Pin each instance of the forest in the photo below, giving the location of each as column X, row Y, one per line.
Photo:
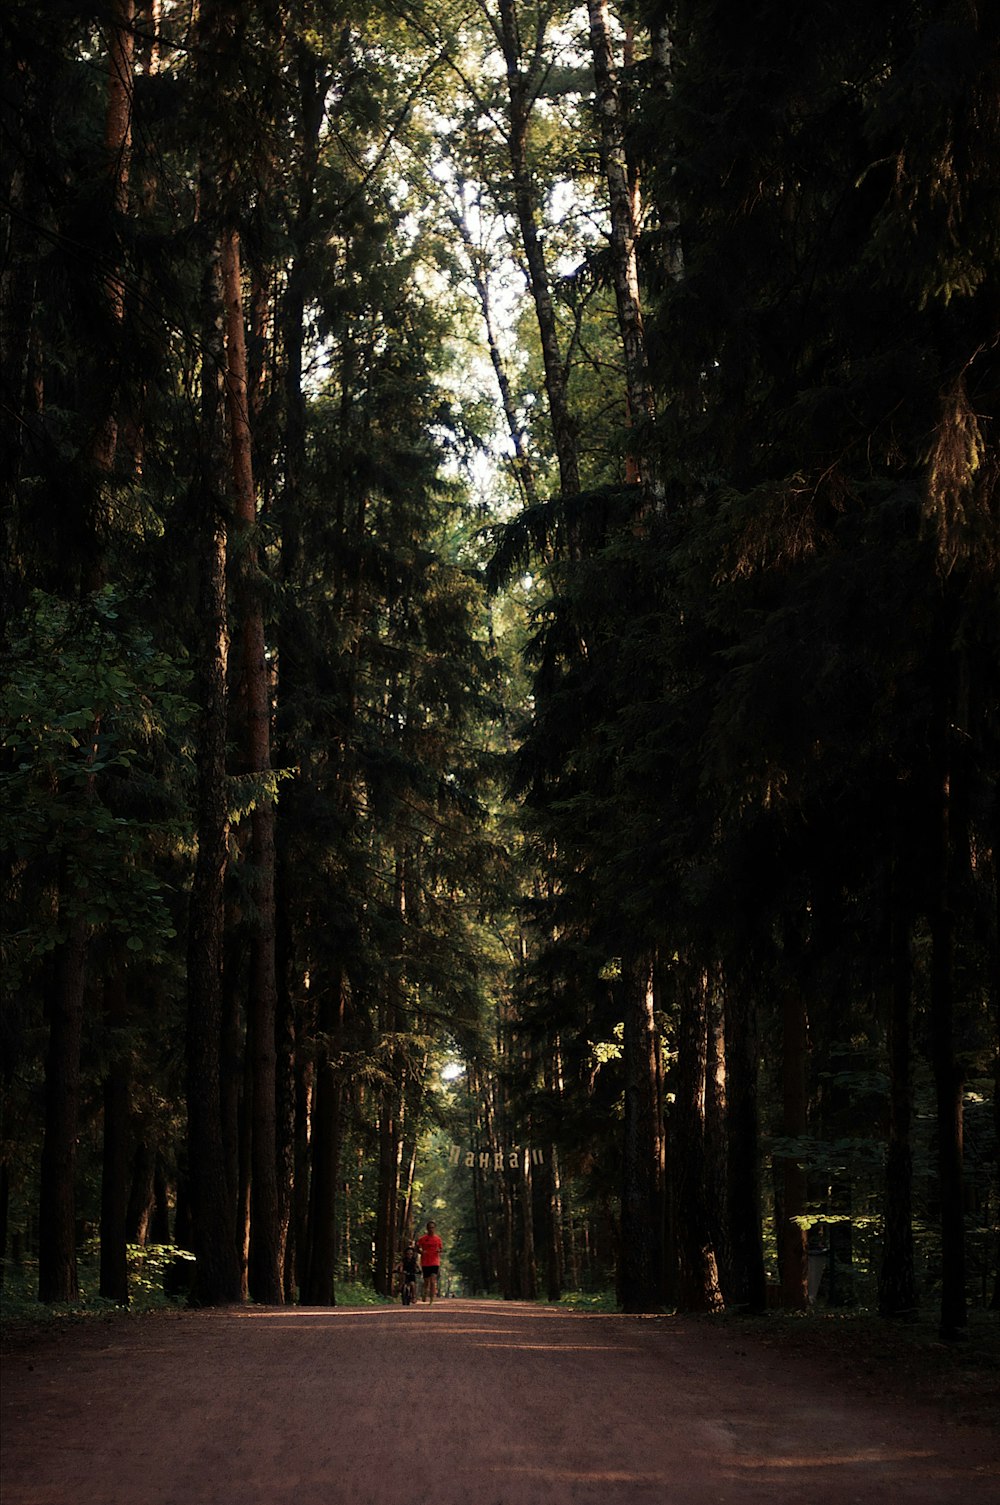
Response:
column 501, row 649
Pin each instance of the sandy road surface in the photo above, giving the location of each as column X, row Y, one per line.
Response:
column 470, row 1403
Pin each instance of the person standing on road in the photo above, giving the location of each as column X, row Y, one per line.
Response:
column 430, row 1247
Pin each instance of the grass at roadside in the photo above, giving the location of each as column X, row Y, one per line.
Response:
column 157, row 1282
column 154, row 1275
column 590, row 1301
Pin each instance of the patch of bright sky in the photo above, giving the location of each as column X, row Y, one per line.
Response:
column 469, row 374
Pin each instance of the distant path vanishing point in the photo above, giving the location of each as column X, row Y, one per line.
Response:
column 468, row 1403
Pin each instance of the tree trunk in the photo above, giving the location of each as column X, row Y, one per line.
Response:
column 793, row 1257
column 57, row 1272
column 140, row 1197
column 715, row 1129
column 295, row 1082
column 57, row 1251
column 387, row 1193
column 529, row 1268
column 745, row 1245
column 304, row 1082
column 948, row 1079
column 697, row 1272
column 265, row 1232
column 244, row 1136
column 158, row 1231
column 4, row 1215
column 18, row 285
column 641, row 1270
column 289, row 984
column 114, row 1162
column 325, row 1152
column 995, row 1010
column 117, row 144
column 212, row 1173
column 551, row 1188
column 897, row 1293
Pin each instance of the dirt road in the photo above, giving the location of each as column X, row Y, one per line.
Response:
column 468, row 1403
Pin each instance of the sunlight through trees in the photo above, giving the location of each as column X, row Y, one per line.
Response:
column 500, row 690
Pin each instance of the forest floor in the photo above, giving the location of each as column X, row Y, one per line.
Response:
column 492, row 1403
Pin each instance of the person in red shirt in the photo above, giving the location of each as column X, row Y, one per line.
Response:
column 430, row 1247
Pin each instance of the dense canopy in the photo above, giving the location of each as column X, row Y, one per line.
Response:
column 502, row 648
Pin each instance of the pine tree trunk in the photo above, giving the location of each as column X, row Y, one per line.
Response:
column 321, row 1271
column 485, row 1242
column 897, row 1294
column 304, row 1083
column 18, row 281
column 265, row 1273
column 715, row 1131
column 551, row 1188
column 745, row 1245
column 295, row 1080
column 4, row 1215
column 212, row 1172
column 994, row 1003
column 57, row 1272
column 117, row 143
column 641, row 1270
column 387, row 1193
column 947, row 1071
column 140, row 1197
column 411, row 1125
column 114, row 1161
column 57, row 1251
column 325, row 1152
column 158, row 1231
column 697, row 1271
column 529, row 1267
column 289, row 984
column 244, row 1133
column 793, row 1257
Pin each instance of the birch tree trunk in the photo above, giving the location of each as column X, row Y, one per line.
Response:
column 479, row 273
